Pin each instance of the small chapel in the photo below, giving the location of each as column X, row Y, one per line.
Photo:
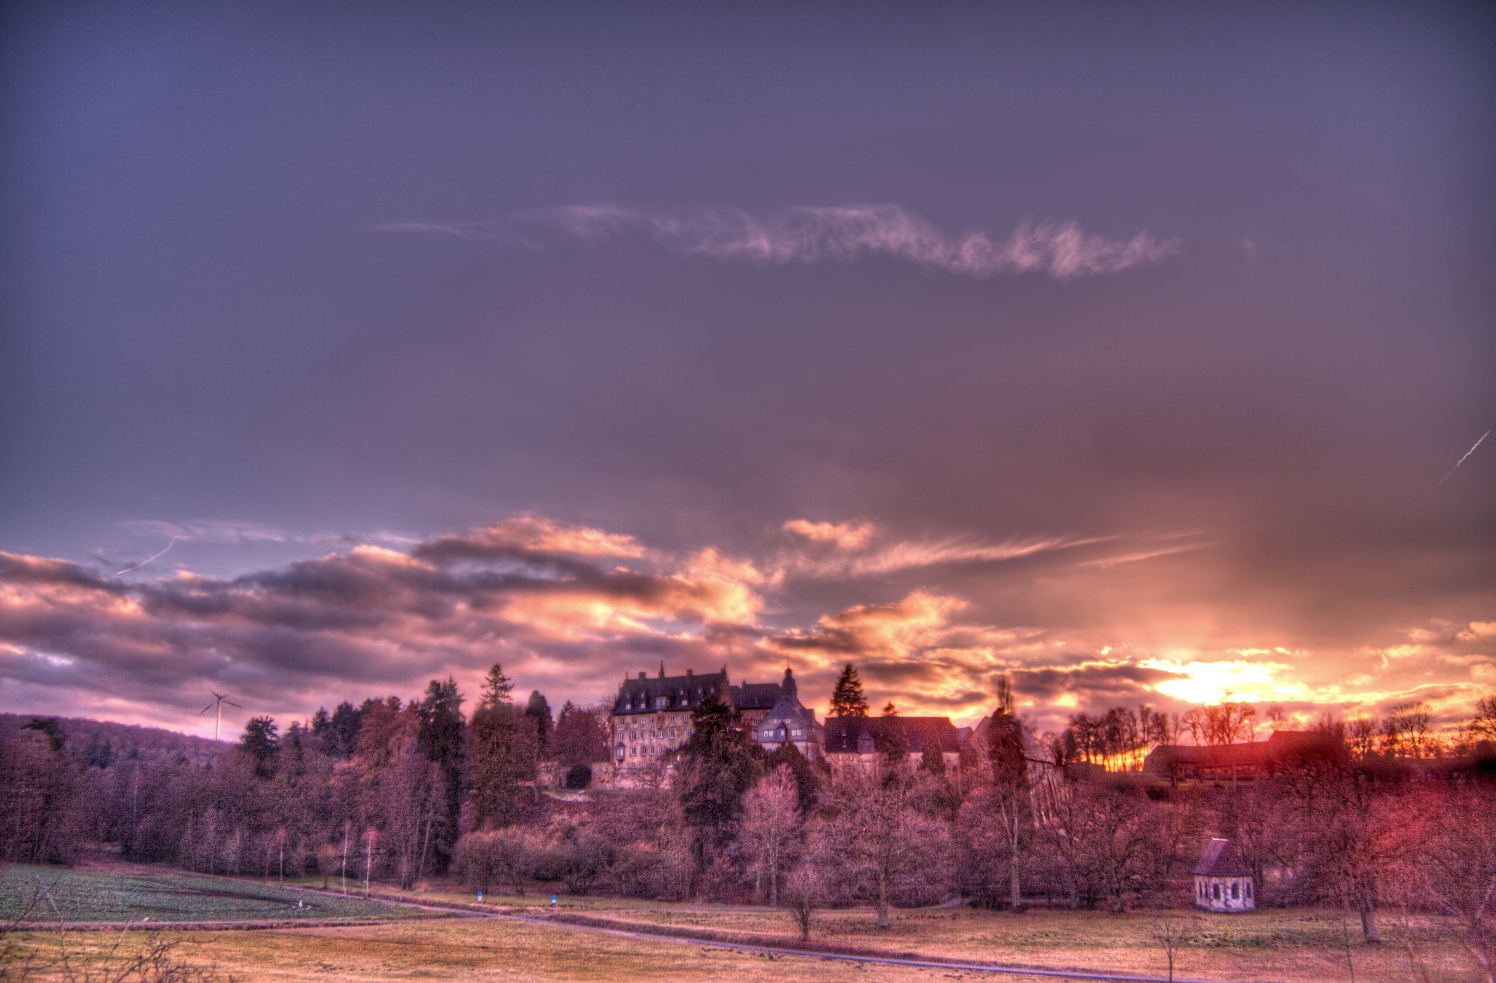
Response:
column 1223, row 881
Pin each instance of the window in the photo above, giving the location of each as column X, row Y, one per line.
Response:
column 1215, row 891
column 1249, row 890
column 1235, row 891
column 797, row 733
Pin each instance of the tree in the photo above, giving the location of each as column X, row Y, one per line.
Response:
column 1454, row 868
column 889, row 710
column 847, row 699
column 771, row 820
column 807, row 783
column 496, row 688
column 1010, row 787
column 1172, row 932
column 581, row 735
column 261, row 742
column 440, row 739
column 502, row 752
column 504, row 856
column 804, row 892
column 1484, row 721
column 539, row 711
column 717, row 766
column 878, row 845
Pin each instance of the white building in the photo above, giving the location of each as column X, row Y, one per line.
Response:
column 1223, row 882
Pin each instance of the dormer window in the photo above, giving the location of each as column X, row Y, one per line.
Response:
column 661, row 702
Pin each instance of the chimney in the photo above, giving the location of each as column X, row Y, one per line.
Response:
column 643, row 675
column 690, row 672
column 662, row 670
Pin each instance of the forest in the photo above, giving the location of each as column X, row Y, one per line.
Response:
column 401, row 791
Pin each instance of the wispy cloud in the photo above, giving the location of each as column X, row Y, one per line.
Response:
column 809, row 234
column 210, row 531
column 915, row 554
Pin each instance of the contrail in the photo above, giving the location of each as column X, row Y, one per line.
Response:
column 137, row 566
column 1461, row 461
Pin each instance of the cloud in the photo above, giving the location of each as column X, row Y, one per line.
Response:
column 845, row 535
column 810, row 234
column 877, row 630
column 916, row 554
column 568, row 608
column 529, row 537
column 1479, row 629
column 211, row 531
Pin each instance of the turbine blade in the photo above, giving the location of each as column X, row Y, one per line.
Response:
column 233, row 704
column 206, row 709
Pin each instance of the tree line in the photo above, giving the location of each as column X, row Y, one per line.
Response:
column 401, row 791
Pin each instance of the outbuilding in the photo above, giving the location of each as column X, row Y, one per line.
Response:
column 1223, row 881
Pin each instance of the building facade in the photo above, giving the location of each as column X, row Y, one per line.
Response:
column 1242, row 762
column 861, row 742
column 652, row 715
column 1223, row 881
column 787, row 722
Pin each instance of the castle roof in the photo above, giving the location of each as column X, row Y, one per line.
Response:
column 844, row 735
column 647, row 694
column 755, row 696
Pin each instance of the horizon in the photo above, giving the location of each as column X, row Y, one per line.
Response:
column 1142, row 354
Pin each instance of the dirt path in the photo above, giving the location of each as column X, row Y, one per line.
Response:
column 745, row 942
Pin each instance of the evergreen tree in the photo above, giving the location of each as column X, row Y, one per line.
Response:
column 501, row 753
column 496, row 687
column 439, row 738
column 261, row 742
column 346, row 722
column 889, row 710
column 717, row 766
column 847, row 699
column 539, row 711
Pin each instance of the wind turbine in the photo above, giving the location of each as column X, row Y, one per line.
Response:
column 218, row 701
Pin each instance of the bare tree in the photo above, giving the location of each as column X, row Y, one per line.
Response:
column 878, row 845
column 1455, row 864
column 804, row 892
column 771, row 820
column 1172, row 931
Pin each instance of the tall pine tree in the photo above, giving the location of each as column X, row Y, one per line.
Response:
column 496, row 687
column 847, row 699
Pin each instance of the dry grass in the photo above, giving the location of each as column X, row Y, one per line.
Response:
column 1289, row 945
column 496, row 950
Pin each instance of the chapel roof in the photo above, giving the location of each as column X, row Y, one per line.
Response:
column 1222, row 859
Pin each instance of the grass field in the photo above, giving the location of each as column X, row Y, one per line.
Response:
column 1293, row 944
column 132, row 894
column 1288, row 945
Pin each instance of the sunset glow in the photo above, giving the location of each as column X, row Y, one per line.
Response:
column 1141, row 356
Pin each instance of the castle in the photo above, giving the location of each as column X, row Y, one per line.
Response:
column 652, row 716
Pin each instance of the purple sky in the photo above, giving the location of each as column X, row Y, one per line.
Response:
column 1123, row 347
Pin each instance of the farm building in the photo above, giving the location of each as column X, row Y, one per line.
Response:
column 1223, row 882
column 1241, row 762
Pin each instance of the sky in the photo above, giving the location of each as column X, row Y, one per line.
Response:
column 1137, row 351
